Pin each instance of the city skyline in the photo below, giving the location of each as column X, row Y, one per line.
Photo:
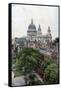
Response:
column 43, row 15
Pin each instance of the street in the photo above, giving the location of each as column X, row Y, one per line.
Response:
column 18, row 81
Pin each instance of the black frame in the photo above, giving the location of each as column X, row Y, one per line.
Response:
column 10, row 38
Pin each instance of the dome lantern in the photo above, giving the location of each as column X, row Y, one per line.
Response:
column 31, row 21
column 32, row 26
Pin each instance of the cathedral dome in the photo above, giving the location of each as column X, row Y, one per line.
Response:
column 32, row 26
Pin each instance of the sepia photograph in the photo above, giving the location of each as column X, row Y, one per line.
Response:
column 34, row 45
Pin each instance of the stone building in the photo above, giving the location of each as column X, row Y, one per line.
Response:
column 35, row 38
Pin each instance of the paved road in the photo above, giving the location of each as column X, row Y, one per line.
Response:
column 18, row 81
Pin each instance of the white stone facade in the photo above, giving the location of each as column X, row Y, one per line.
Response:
column 35, row 38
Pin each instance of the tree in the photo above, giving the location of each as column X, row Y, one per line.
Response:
column 51, row 74
column 55, row 41
column 27, row 61
column 46, row 62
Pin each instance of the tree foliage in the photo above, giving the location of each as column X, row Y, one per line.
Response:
column 51, row 74
column 28, row 59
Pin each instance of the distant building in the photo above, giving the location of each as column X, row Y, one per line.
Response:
column 17, row 45
column 35, row 38
column 55, row 50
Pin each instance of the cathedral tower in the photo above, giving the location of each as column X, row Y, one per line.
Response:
column 31, row 35
column 31, row 29
column 39, row 33
column 49, row 33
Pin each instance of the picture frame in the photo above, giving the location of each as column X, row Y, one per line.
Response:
column 43, row 69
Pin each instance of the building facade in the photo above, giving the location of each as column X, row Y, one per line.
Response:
column 35, row 38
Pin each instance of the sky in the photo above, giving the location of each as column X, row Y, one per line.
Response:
column 43, row 15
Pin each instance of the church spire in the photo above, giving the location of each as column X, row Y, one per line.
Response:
column 49, row 32
column 49, row 29
column 39, row 31
column 39, row 28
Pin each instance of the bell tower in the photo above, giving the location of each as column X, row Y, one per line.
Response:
column 49, row 31
column 39, row 33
